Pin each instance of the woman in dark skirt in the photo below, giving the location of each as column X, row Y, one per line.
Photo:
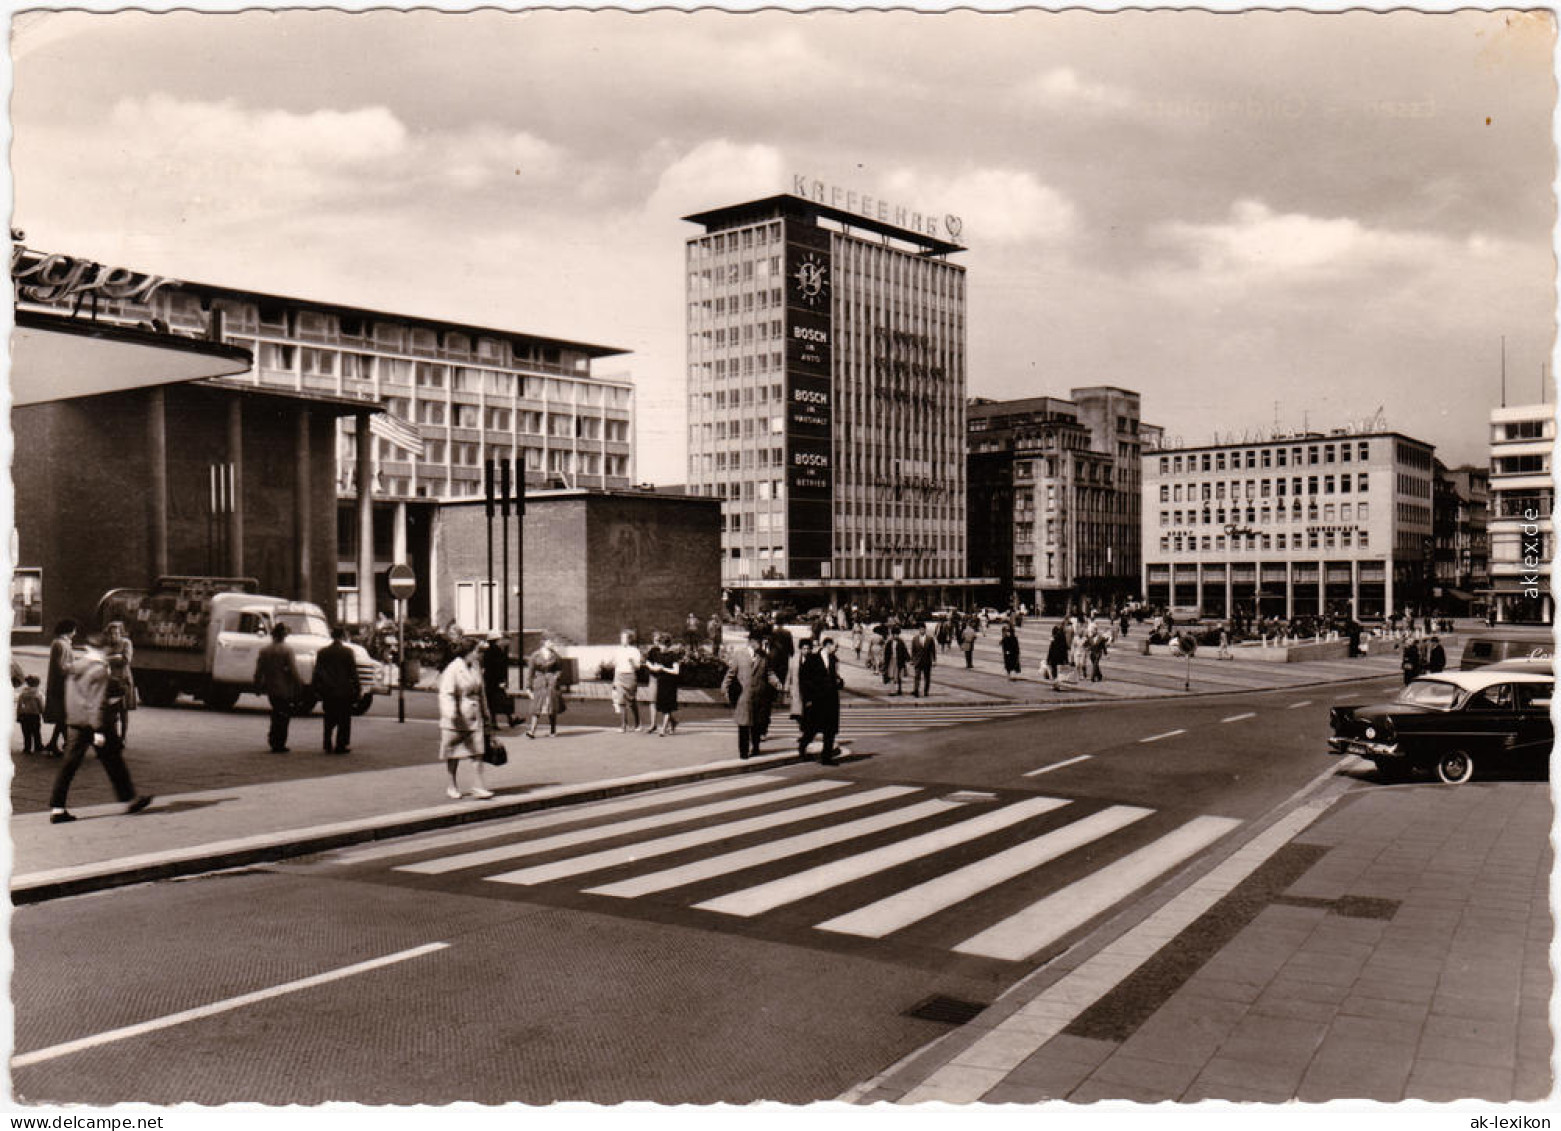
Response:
column 1010, row 645
column 547, row 699
column 1056, row 656
column 666, row 669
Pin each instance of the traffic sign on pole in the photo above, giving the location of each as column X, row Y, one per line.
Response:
column 402, row 583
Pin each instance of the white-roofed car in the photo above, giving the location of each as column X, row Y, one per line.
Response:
column 1449, row 723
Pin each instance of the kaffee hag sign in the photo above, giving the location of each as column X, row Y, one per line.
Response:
column 944, row 227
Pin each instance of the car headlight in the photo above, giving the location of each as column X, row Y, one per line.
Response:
column 1371, row 732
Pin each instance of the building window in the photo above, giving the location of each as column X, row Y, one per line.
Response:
column 1365, row 454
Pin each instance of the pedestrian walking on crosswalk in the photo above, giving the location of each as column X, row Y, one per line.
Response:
column 747, row 678
column 818, row 686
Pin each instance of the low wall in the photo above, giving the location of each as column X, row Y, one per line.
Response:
column 1273, row 654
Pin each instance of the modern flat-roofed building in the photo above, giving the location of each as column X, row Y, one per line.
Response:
column 1294, row 526
column 1055, row 492
column 453, row 396
column 1522, row 492
column 826, row 392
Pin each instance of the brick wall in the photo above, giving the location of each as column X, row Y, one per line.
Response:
column 83, row 480
column 595, row 562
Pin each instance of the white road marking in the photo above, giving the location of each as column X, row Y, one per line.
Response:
column 788, row 889
column 663, row 846
column 1238, row 718
column 1302, row 703
column 916, row 903
column 1042, row 923
column 487, row 830
column 730, row 862
column 603, row 832
column 1057, row 765
column 1158, row 737
column 55, row 1051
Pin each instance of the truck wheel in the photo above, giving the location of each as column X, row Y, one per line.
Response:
column 1455, row 767
column 221, row 697
column 362, row 705
column 303, row 705
column 155, row 691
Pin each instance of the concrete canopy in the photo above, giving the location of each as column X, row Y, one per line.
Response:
column 56, row 358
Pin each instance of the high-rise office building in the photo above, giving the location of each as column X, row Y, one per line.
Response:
column 826, row 393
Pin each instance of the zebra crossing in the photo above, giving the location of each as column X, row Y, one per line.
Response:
column 997, row 876
column 881, row 721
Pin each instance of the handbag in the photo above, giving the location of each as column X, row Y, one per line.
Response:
column 493, row 752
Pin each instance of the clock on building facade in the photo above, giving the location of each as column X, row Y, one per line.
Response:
column 810, row 281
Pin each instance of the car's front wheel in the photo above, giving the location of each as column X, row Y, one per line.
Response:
column 1455, row 767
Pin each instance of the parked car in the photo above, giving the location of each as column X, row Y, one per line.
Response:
column 1483, row 650
column 1540, row 665
column 1451, row 722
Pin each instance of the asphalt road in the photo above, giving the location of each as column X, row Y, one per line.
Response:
column 571, row 962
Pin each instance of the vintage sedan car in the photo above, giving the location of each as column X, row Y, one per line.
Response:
column 1450, row 722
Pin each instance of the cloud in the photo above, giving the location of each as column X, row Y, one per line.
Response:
column 998, row 206
column 1061, row 88
column 1258, row 246
column 715, row 173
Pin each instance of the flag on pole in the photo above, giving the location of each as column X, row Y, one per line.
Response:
column 401, row 433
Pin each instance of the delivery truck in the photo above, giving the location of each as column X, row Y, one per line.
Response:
column 202, row 635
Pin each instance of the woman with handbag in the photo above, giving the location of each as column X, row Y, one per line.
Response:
column 463, row 719
column 546, row 699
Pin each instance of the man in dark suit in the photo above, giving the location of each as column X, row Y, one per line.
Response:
column 336, row 683
column 923, row 654
column 819, row 683
column 276, row 671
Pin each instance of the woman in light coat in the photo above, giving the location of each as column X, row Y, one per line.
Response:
column 463, row 719
column 547, row 700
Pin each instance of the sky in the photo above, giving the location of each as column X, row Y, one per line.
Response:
column 1252, row 219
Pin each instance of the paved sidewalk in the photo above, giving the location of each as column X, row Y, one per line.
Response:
column 1388, row 944
column 253, row 822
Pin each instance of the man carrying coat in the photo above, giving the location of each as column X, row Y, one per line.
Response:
column 748, row 679
column 336, row 683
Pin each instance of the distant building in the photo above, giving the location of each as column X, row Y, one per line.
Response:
column 1460, row 547
column 1290, row 527
column 826, row 392
column 1522, row 537
column 597, row 562
column 448, row 397
column 1055, row 490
